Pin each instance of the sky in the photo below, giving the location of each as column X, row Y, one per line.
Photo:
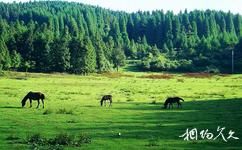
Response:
column 176, row 6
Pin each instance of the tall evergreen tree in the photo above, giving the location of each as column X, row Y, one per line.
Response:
column 118, row 58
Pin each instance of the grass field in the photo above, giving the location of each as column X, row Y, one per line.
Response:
column 73, row 109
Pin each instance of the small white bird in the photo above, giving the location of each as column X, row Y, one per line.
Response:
column 119, row 134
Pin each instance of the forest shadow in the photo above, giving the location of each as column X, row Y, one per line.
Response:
column 169, row 124
column 186, row 106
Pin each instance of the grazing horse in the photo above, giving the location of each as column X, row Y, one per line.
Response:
column 106, row 98
column 169, row 101
column 33, row 96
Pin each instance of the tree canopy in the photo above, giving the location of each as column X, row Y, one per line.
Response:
column 58, row 36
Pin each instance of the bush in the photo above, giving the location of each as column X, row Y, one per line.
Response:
column 62, row 139
column 36, row 139
column 82, row 139
column 57, row 143
column 159, row 63
column 212, row 69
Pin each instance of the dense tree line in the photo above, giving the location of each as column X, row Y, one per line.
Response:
column 54, row 36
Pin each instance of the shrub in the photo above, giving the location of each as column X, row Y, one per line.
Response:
column 62, row 139
column 58, row 142
column 82, row 139
column 36, row 139
column 180, row 80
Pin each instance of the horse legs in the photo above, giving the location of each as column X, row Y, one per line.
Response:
column 170, row 105
column 38, row 104
column 110, row 104
column 30, row 101
column 43, row 103
column 179, row 105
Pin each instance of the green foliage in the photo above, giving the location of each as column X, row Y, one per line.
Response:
column 60, row 55
column 16, row 60
column 5, row 60
column 103, row 64
column 118, row 57
column 67, row 37
column 58, row 142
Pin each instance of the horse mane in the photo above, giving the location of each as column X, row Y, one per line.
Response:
column 166, row 102
column 179, row 98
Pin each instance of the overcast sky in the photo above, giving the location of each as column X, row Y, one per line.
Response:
column 234, row 6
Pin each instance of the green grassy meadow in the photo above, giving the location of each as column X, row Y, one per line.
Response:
column 72, row 107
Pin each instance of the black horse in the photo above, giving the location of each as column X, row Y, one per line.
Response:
column 106, row 98
column 33, row 96
column 169, row 101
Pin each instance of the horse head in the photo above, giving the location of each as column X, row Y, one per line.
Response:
column 101, row 102
column 23, row 102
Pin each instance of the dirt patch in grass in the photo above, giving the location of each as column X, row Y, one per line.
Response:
column 116, row 75
column 198, row 75
column 204, row 75
column 158, row 76
column 224, row 75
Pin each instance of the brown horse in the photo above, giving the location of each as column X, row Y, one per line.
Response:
column 33, row 96
column 169, row 101
column 106, row 98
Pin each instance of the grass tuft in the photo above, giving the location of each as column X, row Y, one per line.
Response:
column 153, row 142
column 47, row 111
column 12, row 138
column 153, row 102
column 64, row 111
column 58, row 142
